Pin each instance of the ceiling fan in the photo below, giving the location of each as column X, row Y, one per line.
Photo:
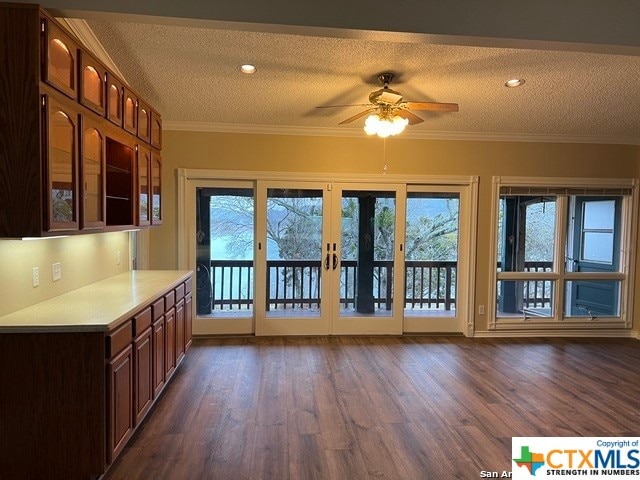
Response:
column 388, row 112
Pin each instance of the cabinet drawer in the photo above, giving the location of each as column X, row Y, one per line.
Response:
column 169, row 300
column 118, row 339
column 141, row 321
column 158, row 308
column 187, row 286
column 180, row 292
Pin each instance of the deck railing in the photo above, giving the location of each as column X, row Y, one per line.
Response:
column 296, row 284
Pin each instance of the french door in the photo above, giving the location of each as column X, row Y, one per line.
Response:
column 289, row 257
column 329, row 258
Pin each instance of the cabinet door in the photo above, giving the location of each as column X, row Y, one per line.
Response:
column 156, row 129
column 143, row 186
column 144, row 121
column 92, row 174
column 170, row 344
column 156, row 189
column 114, row 99
column 93, row 77
column 59, row 65
column 120, row 402
column 188, row 322
column 120, row 182
column 130, row 111
column 143, row 374
column 179, row 331
column 61, row 165
column 158, row 356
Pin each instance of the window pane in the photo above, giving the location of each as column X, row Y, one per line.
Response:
column 597, row 247
column 533, row 298
column 526, row 233
column 599, row 215
column 586, row 298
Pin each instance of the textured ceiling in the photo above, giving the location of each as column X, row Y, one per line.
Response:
column 191, row 75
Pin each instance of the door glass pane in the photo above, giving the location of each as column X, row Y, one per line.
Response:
column 61, row 148
column 156, row 200
column 367, row 253
column 294, row 252
column 598, row 217
column 93, row 177
column 431, row 254
column 224, row 252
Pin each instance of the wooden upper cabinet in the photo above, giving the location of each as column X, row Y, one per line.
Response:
column 144, row 186
column 92, row 172
column 144, row 121
column 156, row 189
column 61, row 165
column 156, row 129
column 130, row 112
column 93, row 77
column 60, row 59
column 115, row 91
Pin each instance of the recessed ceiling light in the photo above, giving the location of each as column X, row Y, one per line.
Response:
column 248, row 68
column 515, row 82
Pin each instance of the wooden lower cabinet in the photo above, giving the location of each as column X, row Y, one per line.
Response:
column 188, row 322
column 120, row 403
column 143, row 378
column 170, row 342
column 180, row 345
column 73, row 399
column 158, row 356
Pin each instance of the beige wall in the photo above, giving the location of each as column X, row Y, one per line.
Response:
column 84, row 259
column 366, row 155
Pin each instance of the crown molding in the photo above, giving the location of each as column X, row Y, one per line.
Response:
column 407, row 134
column 83, row 32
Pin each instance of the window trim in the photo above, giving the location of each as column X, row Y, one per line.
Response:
column 626, row 273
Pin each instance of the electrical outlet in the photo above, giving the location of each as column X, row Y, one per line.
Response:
column 56, row 271
column 35, row 279
column 480, row 309
column 118, row 258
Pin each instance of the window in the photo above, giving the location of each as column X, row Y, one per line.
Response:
column 559, row 251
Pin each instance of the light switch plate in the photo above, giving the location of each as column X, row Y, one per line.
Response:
column 35, row 276
column 56, row 271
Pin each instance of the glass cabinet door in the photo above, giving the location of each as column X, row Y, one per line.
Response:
column 130, row 112
column 61, row 166
column 156, row 129
column 92, row 83
column 144, row 163
column 93, row 176
column 114, row 99
column 61, row 59
column 156, row 189
column 144, row 121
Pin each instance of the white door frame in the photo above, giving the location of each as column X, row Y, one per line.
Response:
column 188, row 179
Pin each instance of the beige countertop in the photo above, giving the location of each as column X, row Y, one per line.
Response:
column 98, row 307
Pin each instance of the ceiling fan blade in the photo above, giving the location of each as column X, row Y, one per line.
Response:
column 359, row 115
column 340, row 106
column 413, row 118
column 432, row 106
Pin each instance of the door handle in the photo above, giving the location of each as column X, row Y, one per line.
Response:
column 335, row 261
column 326, row 262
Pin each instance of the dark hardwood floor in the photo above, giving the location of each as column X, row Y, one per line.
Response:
column 378, row 407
